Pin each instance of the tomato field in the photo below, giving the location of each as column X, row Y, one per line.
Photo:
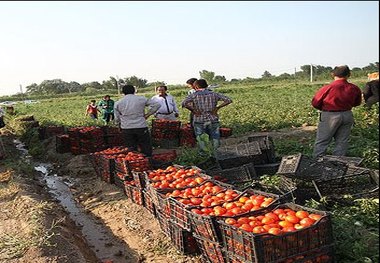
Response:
column 262, row 107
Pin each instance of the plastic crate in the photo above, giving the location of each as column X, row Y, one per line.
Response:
column 139, row 178
column 239, row 154
column 356, row 183
column 225, row 132
column 207, row 226
column 241, row 174
column 163, row 222
column 183, row 240
column 324, row 254
column 266, row 146
column 209, row 164
column 212, row 252
column 266, row 169
column 120, row 178
column 351, row 161
column 104, row 167
column 303, row 167
column 134, row 193
column 179, row 212
column 250, row 247
column 62, row 143
column 148, row 203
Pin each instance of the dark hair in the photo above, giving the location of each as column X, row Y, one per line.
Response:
column 191, row 81
column 93, row 101
column 162, row 86
column 128, row 89
column 341, row 71
column 105, row 96
column 201, row 83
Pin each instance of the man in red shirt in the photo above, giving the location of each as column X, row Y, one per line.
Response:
column 335, row 102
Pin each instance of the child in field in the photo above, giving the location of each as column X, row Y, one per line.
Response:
column 92, row 110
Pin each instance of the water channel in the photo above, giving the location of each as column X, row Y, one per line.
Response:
column 93, row 231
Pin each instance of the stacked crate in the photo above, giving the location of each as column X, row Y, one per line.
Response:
column 311, row 241
column 85, row 140
column 62, row 143
column 166, row 133
column 230, row 156
column 187, row 137
column 104, row 162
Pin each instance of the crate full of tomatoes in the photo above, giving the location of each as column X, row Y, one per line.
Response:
column 207, row 194
column 86, row 139
column 183, row 240
column 104, row 162
column 62, row 143
column 132, row 192
column 205, row 217
column 132, row 162
column 165, row 133
column 276, row 234
column 187, row 137
column 225, row 132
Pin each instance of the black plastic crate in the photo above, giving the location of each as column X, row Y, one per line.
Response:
column 306, row 168
column 351, row 161
column 267, row 169
column 139, row 178
column 324, row 254
column 356, row 183
column 179, row 212
column 266, row 146
column 183, row 240
column 104, row 167
column 148, row 203
column 235, row 175
column 163, row 221
column 133, row 193
column 207, row 226
column 209, row 164
column 120, row 178
column 212, row 252
column 250, row 247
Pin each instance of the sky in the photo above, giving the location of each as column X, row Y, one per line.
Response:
column 172, row 41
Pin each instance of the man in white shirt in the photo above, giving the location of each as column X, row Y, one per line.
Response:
column 168, row 109
column 131, row 117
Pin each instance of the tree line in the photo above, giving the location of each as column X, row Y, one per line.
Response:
column 58, row 86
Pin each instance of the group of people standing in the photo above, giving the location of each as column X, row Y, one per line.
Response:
column 334, row 101
column 131, row 112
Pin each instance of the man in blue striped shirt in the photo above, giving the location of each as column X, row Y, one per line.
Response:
column 203, row 103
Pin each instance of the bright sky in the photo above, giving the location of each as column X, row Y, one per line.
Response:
column 172, row 41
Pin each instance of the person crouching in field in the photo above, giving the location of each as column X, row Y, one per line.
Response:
column 92, row 110
column 203, row 103
column 335, row 102
column 168, row 108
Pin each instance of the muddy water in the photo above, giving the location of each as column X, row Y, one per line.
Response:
column 94, row 232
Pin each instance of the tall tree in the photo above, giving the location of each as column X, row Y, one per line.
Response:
column 207, row 75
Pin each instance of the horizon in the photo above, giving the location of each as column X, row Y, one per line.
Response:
column 173, row 41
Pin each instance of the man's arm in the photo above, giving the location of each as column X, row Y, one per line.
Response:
column 226, row 100
column 153, row 107
column 188, row 103
column 117, row 113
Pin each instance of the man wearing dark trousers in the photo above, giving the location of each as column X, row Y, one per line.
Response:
column 131, row 117
column 335, row 102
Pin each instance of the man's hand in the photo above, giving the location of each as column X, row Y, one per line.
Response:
column 196, row 113
column 215, row 111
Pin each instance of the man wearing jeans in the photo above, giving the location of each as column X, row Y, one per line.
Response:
column 203, row 103
column 335, row 102
column 131, row 117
